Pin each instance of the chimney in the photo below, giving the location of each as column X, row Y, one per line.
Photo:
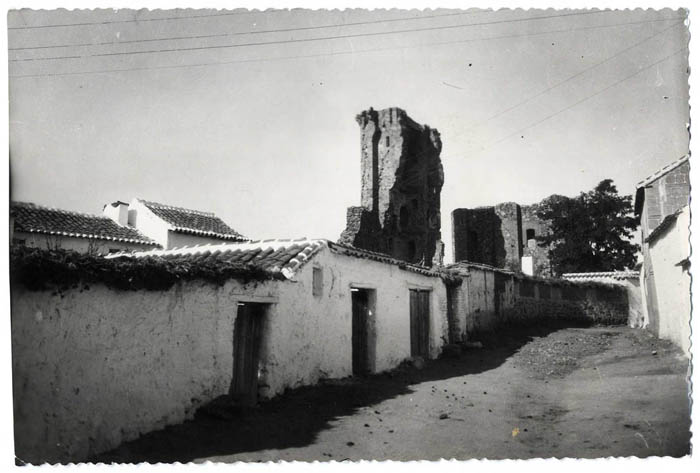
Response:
column 117, row 211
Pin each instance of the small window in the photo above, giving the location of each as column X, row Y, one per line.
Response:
column 114, row 250
column 388, row 141
column 530, row 233
column 317, row 288
column 403, row 218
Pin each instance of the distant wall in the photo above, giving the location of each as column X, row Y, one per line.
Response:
column 489, row 298
column 498, row 236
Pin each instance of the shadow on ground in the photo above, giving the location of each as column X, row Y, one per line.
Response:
column 295, row 418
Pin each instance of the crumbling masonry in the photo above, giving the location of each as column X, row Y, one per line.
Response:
column 502, row 236
column 402, row 178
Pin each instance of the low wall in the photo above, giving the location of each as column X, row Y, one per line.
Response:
column 489, row 298
column 594, row 303
column 94, row 367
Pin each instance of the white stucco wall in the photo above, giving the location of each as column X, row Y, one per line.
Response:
column 392, row 310
column 82, row 245
column 673, row 282
column 94, row 367
column 147, row 223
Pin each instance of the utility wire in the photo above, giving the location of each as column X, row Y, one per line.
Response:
column 568, row 79
column 337, row 53
column 137, row 20
column 323, row 38
column 222, row 35
column 588, row 97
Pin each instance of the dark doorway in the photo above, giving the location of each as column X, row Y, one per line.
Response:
column 420, row 322
column 246, row 349
column 361, row 314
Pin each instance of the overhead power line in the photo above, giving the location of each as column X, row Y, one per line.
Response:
column 588, row 97
column 139, row 20
column 323, row 38
column 239, row 33
column 336, row 53
column 568, row 79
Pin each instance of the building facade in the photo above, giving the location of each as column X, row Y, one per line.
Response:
column 662, row 205
column 47, row 228
column 170, row 226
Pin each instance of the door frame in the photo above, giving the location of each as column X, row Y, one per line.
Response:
column 257, row 311
column 426, row 322
column 369, row 329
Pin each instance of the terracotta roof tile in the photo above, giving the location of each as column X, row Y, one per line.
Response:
column 193, row 222
column 610, row 276
column 664, row 170
column 275, row 256
column 32, row 218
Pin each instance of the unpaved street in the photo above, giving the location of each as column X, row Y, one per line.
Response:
column 573, row 392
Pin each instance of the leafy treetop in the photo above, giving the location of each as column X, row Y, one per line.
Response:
column 590, row 232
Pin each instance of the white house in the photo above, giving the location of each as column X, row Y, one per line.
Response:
column 172, row 227
column 662, row 205
column 36, row 226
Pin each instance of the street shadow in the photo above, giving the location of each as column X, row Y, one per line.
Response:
column 295, row 418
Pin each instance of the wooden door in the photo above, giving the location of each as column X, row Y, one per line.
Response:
column 246, row 347
column 420, row 323
column 360, row 343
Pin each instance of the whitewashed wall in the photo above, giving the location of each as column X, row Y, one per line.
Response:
column 673, row 282
column 94, row 367
column 82, row 245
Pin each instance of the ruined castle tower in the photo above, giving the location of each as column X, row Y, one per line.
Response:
column 503, row 236
column 401, row 182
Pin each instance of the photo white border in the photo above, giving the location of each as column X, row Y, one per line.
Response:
column 541, row 466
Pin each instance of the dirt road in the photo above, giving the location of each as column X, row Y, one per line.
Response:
column 573, row 392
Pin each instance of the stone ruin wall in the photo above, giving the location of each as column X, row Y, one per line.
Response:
column 402, row 178
column 540, row 254
column 498, row 236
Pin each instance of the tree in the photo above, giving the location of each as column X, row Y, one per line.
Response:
column 590, row 232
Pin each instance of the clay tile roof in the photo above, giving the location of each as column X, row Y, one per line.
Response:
column 194, row 222
column 284, row 257
column 32, row 218
column 349, row 250
column 664, row 170
column 273, row 256
column 610, row 276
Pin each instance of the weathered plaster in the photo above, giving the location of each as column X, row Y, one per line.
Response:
column 672, row 281
column 82, row 245
column 94, row 367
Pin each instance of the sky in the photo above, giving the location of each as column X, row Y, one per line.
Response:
column 191, row 108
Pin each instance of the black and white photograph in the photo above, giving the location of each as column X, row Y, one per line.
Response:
column 342, row 234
